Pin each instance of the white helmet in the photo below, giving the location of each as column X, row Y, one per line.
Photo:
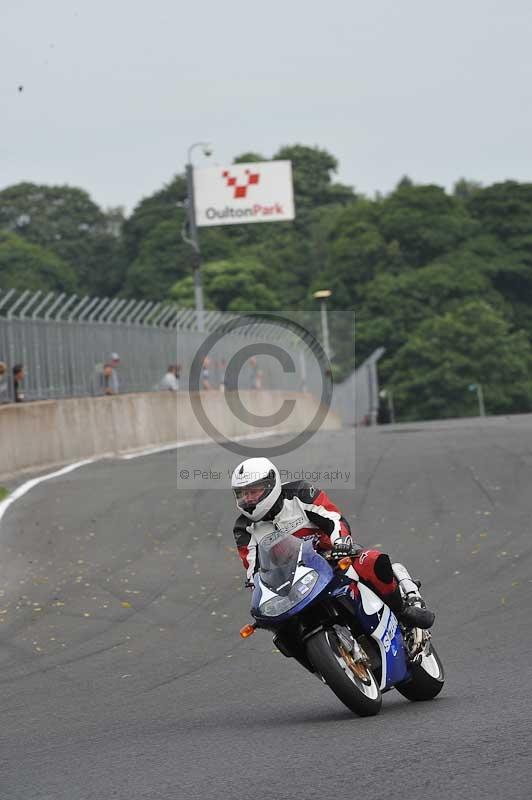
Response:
column 249, row 477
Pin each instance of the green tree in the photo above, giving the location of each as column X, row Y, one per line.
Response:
column 249, row 158
column 472, row 343
column 289, row 260
column 464, row 189
column 312, row 172
column 353, row 251
column 504, row 211
column 67, row 222
column 182, row 293
column 28, row 266
column 166, row 205
column 425, row 222
column 157, row 252
column 395, row 305
column 238, row 286
column 163, row 256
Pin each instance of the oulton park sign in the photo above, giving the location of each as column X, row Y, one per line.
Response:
column 243, row 193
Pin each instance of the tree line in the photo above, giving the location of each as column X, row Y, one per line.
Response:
column 442, row 280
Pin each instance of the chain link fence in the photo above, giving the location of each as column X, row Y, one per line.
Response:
column 64, row 341
column 356, row 399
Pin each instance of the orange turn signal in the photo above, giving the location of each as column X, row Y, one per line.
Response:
column 247, row 630
column 345, row 563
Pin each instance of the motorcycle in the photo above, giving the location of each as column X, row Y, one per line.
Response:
column 337, row 628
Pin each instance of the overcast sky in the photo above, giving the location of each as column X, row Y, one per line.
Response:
column 115, row 91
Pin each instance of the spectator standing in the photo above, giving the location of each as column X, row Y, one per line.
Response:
column 105, row 376
column 255, row 374
column 222, row 366
column 18, row 379
column 105, row 380
column 4, row 383
column 114, row 362
column 206, row 374
column 170, row 382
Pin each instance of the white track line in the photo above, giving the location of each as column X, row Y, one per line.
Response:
column 179, row 445
column 22, row 490
column 150, row 450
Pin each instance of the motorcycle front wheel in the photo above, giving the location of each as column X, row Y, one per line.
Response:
column 352, row 681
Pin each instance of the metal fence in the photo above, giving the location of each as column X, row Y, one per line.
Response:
column 63, row 343
column 356, row 399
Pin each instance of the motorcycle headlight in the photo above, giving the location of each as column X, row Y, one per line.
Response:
column 276, row 606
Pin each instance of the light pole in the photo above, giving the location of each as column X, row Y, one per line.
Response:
column 193, row 238
column 477, row 387
column 322, row 296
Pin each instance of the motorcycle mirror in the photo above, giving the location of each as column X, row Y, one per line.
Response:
column 247, row 630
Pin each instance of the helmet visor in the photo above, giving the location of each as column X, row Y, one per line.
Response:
column 248, row 497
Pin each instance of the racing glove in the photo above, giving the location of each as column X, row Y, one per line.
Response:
column 249, row 584
column 343, row 546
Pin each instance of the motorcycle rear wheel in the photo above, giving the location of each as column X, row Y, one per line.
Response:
column 352, row 681
column 427, row 677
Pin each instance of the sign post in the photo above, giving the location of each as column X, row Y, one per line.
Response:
column 235, row 195
column 192, row 238
column 194, row 241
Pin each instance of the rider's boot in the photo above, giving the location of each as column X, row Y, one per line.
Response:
column 414, row 613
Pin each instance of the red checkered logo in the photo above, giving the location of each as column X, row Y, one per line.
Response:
column 240, row 189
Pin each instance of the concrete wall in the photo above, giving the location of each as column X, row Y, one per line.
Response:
column 35, row 436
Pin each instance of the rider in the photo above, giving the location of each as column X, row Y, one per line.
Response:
column 299, row 508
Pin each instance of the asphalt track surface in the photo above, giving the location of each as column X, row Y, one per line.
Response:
column 122, row 674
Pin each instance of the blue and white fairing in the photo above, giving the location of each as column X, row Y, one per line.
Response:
column 379, row 622
column 291, row 576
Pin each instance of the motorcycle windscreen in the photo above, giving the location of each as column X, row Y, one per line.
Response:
column 278, row 558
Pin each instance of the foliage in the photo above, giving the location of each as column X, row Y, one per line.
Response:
column 65, row 221
column 353, row 251
column 503, row 209
column 395, row 305
column 448, row 353
column 239, row 286
column 249, row 158
column 163, row 206
column 163, row 256
column 424, row 221
column 28, row 266
column 312, row 170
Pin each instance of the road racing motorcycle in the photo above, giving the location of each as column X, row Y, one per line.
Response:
column 336, row 627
